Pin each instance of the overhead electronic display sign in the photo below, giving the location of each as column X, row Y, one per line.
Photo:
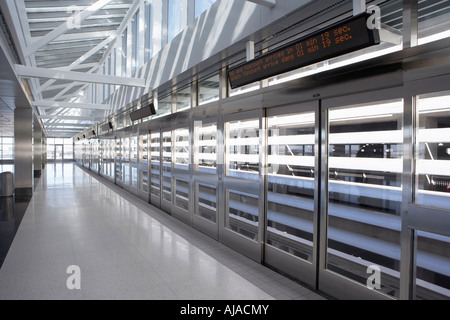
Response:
column 342, row 38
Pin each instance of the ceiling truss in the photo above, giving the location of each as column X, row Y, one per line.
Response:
column 62, row 46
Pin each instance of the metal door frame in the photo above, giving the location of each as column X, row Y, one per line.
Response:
column 298, row 268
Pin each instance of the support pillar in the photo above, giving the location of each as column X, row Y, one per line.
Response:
column 23, row 152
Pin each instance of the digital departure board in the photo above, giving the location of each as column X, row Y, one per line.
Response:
column 342, row 38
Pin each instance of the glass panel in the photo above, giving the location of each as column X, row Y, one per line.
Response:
column 433, row 150
column 182, row 154
column 174, row 19
column 143, row 178
column 126, row 173
column 208, row 90
column 119, row 159
column 143, row 159
column 291, row 184
column 433, row 266
column 242, row 213
column 164, row 106
column 51, row 152
column 134, row 177
column 206, row 205
column 242, row 148
column 245, row 89
column 206, row 144
column 134, row 149
column 365, row 192
column 59, row 152
column 184, row 99
column 167, row 166
column 94, row 152
column 155, row 166
column 201, row 6
column 182, row 194
column 434, row 20
column 150, row 31
column 111, row 158
column 136, row 39
column 126, row 149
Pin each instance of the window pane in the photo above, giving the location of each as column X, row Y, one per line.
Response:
column 164, row 106
column 136, row 39
column 150, row 31
column 206, row 204
column 167, row 166
column 184, row 99
column 433, row 150
column 434, row 20
column 155, row 167
column 433, row 266
column 208, row 90
column 365, row 192
column 174, row 19
column 291, row 183
column 206, row 144
column 182, row 154
column 242, row 216
column 68, row 152
column 242, row 148
column 201, row 6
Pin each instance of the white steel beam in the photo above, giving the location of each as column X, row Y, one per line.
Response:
column 265, row 3
column 130, row 14
column 80, row 60
column 63, row 28
column 85, row 35
column 30, row 72
column 69, row 118
column 70, row 105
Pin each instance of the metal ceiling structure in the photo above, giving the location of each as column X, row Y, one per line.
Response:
column 61, row 47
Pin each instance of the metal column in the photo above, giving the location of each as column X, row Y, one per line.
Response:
column 23, row 151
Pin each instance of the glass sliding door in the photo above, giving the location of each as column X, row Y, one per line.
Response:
column 292, row 183
column 429, row 215
column 181, row 174
column 166, row 181
column 243, row 197
column 143, row 188
column 205, row 177
column 364, row 156
column 155, row 168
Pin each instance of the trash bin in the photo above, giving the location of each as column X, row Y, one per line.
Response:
column 6, row 184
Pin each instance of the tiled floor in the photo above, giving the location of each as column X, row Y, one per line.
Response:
column 125, row 249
